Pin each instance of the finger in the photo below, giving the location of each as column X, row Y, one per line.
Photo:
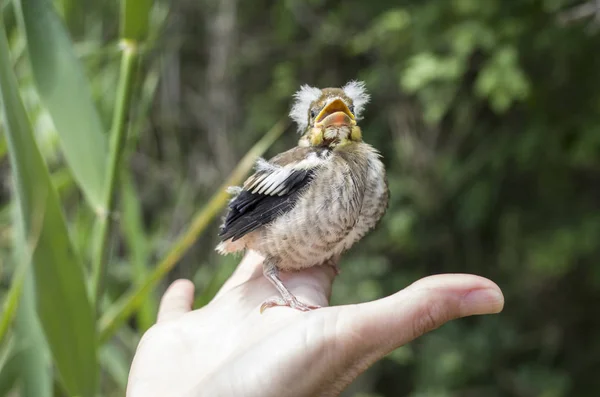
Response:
column 249, row 268
column 372, row 330
column 176, row 301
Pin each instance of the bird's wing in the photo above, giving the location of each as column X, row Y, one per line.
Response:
column 271, row 191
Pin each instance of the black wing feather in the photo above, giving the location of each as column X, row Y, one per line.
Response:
column 249, row 211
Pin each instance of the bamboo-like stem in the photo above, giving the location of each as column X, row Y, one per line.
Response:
column 125, row 306
column 117, row 143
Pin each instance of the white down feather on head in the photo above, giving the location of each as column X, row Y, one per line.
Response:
column 302, row 101
column 357, row 91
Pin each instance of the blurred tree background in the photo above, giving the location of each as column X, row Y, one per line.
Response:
column 487, row 114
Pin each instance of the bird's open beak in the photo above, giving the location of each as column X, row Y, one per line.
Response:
column 335, row 113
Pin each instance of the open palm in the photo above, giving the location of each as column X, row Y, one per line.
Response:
column 228, row 348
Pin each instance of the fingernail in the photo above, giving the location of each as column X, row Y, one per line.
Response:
column 482, row 301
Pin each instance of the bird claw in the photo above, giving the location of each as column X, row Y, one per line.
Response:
column 335, row 267
column 293, row 303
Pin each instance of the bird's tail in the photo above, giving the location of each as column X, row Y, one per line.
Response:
column 228, row 246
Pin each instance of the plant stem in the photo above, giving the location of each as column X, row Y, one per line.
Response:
column 124, row 307
column 117, row 143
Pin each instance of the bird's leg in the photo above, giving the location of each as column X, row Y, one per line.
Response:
column 333, row 262
column 271, row 272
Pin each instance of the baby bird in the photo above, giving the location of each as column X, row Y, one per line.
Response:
column 308, row 205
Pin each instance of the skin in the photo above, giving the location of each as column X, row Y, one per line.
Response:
column 228, row 348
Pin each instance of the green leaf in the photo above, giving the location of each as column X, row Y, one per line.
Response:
column 62, row 300
column 9, row 366
column 33, row 364
column 11, row 300
column 134, row 19
column 64, row 90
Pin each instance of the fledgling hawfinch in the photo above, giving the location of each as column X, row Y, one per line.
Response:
column 308, row 205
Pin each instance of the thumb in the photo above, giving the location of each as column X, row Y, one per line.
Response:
column 372, row 330
column 176, row 301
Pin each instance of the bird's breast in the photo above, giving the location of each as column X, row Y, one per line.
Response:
column 326, row 216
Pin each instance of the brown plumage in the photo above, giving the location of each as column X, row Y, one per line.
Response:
column 308, row 205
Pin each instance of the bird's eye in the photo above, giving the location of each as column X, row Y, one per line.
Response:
column 351, row 108
column 313, row 113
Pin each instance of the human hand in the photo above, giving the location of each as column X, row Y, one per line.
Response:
column 228, row 348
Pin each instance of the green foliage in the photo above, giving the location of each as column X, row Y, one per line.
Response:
column 58, row 274
column 501, row 80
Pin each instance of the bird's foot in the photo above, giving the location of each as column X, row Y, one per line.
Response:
column 291, row 302
column 335, row 267
column 333, row 263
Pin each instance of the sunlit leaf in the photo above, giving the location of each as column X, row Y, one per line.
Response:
column 65, row 91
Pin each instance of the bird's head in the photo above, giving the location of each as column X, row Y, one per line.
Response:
column 328, row 117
